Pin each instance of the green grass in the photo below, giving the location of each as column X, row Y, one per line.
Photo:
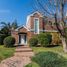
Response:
column 6, row 52
column 57, row 49
column 33, row 64
column 53, row 49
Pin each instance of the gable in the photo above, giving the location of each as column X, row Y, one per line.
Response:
column 31, row 17
column 22, row 29
column 36, row 14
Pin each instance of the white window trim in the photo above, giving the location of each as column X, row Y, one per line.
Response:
column 34, row 26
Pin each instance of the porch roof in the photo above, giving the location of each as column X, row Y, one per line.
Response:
column 22, row 27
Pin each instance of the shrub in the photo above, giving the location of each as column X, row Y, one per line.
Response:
column 33, row 41
column 1, row 39
column 9, row 41
column 55, row 39
column 48, row 59
column 44, row 39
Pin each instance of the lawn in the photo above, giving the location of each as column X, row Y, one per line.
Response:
column 56, row 49
column 53, row 49
column 6, row 52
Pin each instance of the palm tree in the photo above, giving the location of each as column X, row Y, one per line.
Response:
column 14, row 24
column 7, row 27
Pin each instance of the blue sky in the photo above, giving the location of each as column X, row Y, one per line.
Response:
column 15, row 9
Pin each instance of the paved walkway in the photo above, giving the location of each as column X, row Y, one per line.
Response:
column 21, row 57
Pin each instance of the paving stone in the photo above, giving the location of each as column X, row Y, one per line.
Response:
column 21, row 57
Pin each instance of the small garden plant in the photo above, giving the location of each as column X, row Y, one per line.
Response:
column 9, row 41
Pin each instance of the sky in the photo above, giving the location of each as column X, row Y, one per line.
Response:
column 15, row 9
column 11, row 10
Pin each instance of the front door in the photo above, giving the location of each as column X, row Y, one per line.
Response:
column 23, row 39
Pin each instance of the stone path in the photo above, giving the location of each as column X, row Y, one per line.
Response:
column 21, row 57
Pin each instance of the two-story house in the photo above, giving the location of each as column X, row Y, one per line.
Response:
column 34, row 25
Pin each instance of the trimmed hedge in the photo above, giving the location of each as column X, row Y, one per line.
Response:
column 45, row 39
column 33, row 41
column 48, row 59
column 9, row 41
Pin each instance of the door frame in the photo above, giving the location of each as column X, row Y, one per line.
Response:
column 25, row 39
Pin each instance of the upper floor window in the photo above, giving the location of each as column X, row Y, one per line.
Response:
column 36, row 25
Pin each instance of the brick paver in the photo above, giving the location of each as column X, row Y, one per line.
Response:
column 21, row 57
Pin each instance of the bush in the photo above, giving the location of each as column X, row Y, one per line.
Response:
column 55, row 39
column 9, row 41
column 44, row 39
column 1, row 39
column 33, row 41
column 48, row 59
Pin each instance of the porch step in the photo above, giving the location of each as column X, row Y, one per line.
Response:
column 24, row 54
column 23, row 47
column 24, row 50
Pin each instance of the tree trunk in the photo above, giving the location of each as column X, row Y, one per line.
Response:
column 64, row 43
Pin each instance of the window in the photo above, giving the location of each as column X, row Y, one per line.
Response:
column 36, row 26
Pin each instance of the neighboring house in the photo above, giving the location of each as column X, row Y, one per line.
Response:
column 34, row 25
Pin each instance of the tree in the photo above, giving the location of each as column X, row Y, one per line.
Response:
column 7, row 27
column 15, row 24
column 57, row 10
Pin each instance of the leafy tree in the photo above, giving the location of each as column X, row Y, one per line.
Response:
column 7, row 27
column 15, row 24
column 55, row 9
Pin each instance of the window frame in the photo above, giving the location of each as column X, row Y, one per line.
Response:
column 34, row 25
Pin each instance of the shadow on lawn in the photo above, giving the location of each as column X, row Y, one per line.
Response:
column 49, row 46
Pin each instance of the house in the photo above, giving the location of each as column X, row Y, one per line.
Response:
column 34, row 25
